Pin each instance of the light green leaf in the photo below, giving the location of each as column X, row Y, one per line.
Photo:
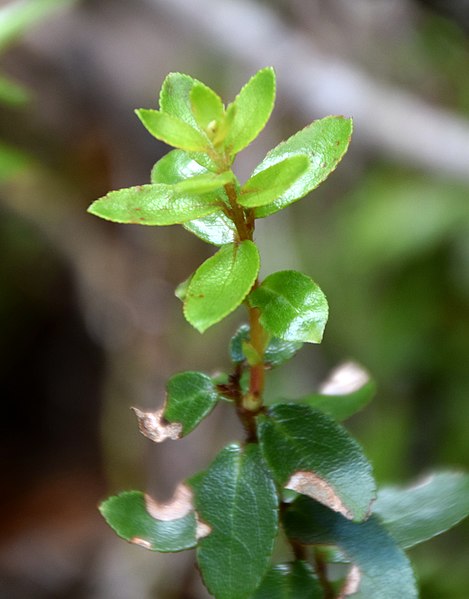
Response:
column 292, row 306
column 250, row 110
column 154, row 205
column 207, row 109
column 220, row 284
column 421, row 512
column 324, row 142
column 11, row 162
column 173, row 131
column 237, row 499
column 277, row 351
column 381, row 569
column 295, row 580
column 215, row 228
column 129, row 514
column 270, row 184
column 348, row 390
column 175, row 97
column 191, row 396
column 12, row 93
column 311, row 454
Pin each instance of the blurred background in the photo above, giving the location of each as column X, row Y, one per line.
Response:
column 89, row 322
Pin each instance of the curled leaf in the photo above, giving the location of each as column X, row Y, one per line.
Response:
column 153, row 426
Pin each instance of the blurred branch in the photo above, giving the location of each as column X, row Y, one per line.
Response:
column 389, row 119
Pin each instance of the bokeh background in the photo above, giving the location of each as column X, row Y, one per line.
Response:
column 90, row 325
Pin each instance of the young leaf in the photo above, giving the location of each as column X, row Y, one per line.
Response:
column 347, row 391
column 220, row 284
column 270, row 184
column 296, row 580
column 381, row 569
column 277, row 352
column 175, row 97
column 154, row 205
column 250, row 110
column 421, row 512
column 173, row 131
column 191, row 396
column 324, row 142
column 132, row 515
column 292, row 306
column 207, row 108
column 311, row 454
column 237, row 499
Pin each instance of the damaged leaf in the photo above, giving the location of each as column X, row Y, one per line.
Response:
column 153, row 426
column 311, row 454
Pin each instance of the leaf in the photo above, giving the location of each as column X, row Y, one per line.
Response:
column 175, row 97
column 12, row 93
column 207, row 108
column 154, row 205
column 292, row 306
column 177, row 166
column 237, row 499
column 295, row 580
column 421, row 512
column 381, row 570
column 311, row 454
column 137, row 518
column 191, row 396
column 12, row 161
column 250, row 110
column 324, row 142
column 172, row 130
column 270, row 184
column 277, row 352
column 347, row 391
column 220, row 284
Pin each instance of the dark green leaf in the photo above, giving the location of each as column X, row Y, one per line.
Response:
column 421, row 512
column 220, row 284
column 381, row 569
column 311, row 454
column 154, row 205
column 173, row 131
column 238, row 500
column 348, row 390
column 277, row 352
column 270, row 184
column 292, row 306
column 130, row 516
column 191, row 396
column 324, row 142
column 296, row 580
column 250, row 110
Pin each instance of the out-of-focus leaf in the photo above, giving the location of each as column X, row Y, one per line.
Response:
column 270, row 184
column 292, row 306
column 250, row 110
column 381, row 569
column 324, row 142
column 311, row 454
column 237, row 499
column 191, row 396
column 129, row 515
column 220, row 284
column 11, row 162
column 277, row 351
column 295, row 580
column 154, row 205
column 348, row 390
column 12, row 93
column 173, row 131
column 418, row 513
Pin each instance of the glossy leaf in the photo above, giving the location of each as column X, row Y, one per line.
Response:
column 220, row 284
column 173, row 131
column 191, row 396
column 382, row 569
column 270, row 184
column 348, row 390
column 207, row 108
column 277, row 352
column 237, row 499
column 154, row 205
column 250, row 110
column 324, row 142
column 127, row 514
column 215, row 228
column 292, row 306
column 295, row 580
column 421, row 512
column 311, row 454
